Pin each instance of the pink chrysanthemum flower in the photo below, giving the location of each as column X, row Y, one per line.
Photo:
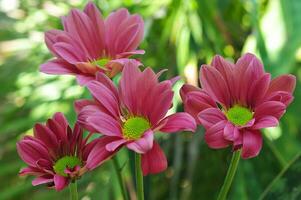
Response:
column 236, row 101
column 89, row 43
column 56, row 154
column 132, row 113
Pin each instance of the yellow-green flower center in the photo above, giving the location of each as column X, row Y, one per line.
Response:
column 239, row 115
column 134, row 127
column 101, row 62
column 66, row 162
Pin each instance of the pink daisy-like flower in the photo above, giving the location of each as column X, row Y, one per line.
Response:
column 236, row 101
column 56, row 154
column 132, row 113
column 89, row 44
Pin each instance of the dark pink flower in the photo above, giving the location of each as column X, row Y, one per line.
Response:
column 236, row 101
column 56, row 154
column 89, row 44
column 133, row 112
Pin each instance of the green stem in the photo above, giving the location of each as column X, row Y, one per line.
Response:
column 139, row 177
column 281, row 173
column 230, row 175
column 120, row 179
column 73, row 191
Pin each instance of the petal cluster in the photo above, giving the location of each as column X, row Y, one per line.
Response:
column 89, row 44
column 140, row 101
column 236, row 100
column 56, row 154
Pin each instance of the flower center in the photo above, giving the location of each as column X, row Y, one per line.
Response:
column 134, row 127
column 66, row 162
column 101, row 62
column 239, row 115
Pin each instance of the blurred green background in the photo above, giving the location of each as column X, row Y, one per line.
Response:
column 179, row 35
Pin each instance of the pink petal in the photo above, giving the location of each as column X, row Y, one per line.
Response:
column 211, row 116
column 44, row 164
column 80, row 104
column 214, row 136
column 226, row 70
column 61, row 120
column 258, row 90
column 160, row 110
column 57, row 129
column 177, row 122
column 266, row 122
column 106, row 81
column 197, row 101
column 112, row 24
column 187, row 88
column 123, row 32
column 249, row 62
column 130, row 38
column 87, row 68
column 85, row 32
column 252, row 142
column 44, row 134
column 32, row 150
column 163, row 95
column 144, row 144
column 95, row 16
column 31, row 171
column 51, row 38
column 248, row 69
column 215, row 85
column 284, row 97
column 66, row 51
column 105, row 97
column 98, row 154
column 231, row 132
column 105, row 124
column 60, row 182
column 285, row 83
column 86, row 112
column 154, row 161
column 58, row 66
column 150, row 91
column 127, row 85
column 83, row 79
column 130, row 53
column 115, row 66
column 41, row 180
column 115, row 144
column 270, row 108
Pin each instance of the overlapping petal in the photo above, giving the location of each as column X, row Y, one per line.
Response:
column 244, row 90
column 88, row 38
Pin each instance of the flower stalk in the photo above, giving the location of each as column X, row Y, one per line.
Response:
column 139, row 177
column 73, row 191
column 120, row 179
column 230, row 175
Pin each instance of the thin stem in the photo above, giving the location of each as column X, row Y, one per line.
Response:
column 73, row 191
column 230, row 175
column 281, row 173
column 120, row 179
column 139, row 177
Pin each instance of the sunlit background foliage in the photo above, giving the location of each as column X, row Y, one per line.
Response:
column 180, row 35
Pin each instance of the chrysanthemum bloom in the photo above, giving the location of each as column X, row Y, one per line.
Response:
column 58, row 155
column 132, row 113
column 236, row 101
column 89, row 43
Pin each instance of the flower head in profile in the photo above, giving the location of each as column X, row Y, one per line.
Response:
column 236, row 101
column 89, row 44
column 57, row 155
column 132, row 113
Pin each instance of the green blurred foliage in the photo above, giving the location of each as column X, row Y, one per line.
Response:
column 179, row 35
